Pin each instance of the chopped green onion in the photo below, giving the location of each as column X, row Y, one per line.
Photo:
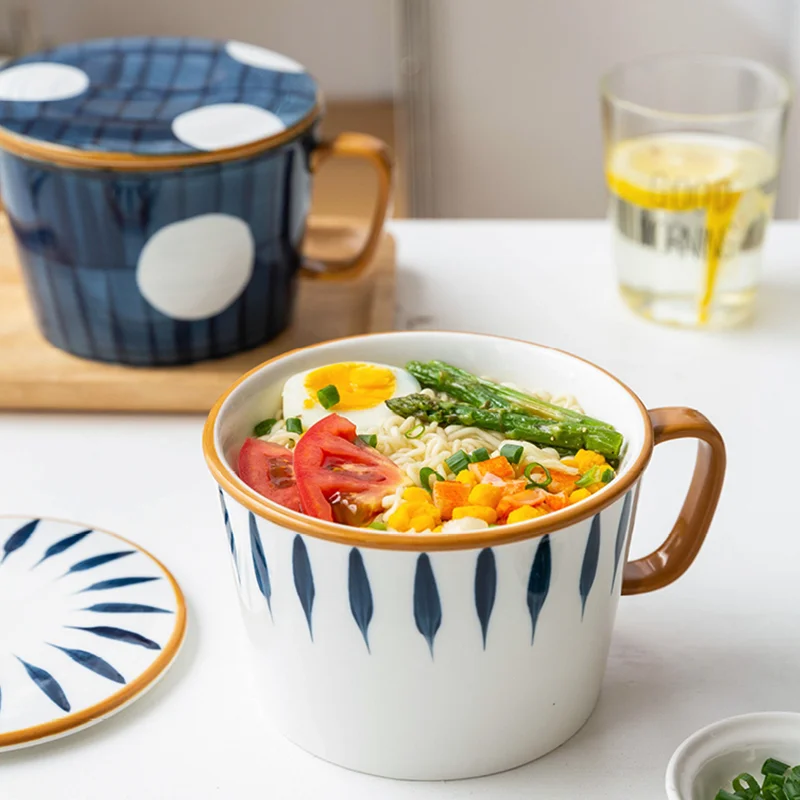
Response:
column 377, row 525
column 481, row 454
column 746, row 785
column 294, row 425
column 513, row 452
column 264, row 428
column 457, row 462
column 781, row 782
column 774, row 767
column 425, row 475
column 607, row 475
column 328, row 396
column 415, row 432
column 532, row 484
column 369, row 439
column 592, row 476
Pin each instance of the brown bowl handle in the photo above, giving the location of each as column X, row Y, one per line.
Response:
column 377, row 153
column 674, row 557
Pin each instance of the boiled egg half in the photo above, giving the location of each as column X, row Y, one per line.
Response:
column 363, row 388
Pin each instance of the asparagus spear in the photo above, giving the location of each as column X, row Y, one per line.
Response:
column 567, row 435
column 481, row 392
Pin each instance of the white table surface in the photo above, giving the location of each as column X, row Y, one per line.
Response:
column 723, row 640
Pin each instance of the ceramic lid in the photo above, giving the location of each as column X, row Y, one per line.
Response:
column 154, row 97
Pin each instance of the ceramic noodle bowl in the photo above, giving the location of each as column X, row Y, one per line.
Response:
column 439, row 656
column 158, row 191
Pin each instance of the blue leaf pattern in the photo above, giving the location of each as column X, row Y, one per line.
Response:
column 590, row 559
column 98, row 561
column 226, row 517
column 92, row 662
column 118, row 583
column 427, row 604
column 119, row 634
column 260, row 563
column 18, row 538
column 62, row 545
column 47, row 683
column 360, row 593
column 622, row 530
column 303, row 579
column 126, row 608
column 485, row 588
column 539, row 581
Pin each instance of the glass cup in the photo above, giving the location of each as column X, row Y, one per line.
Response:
column 692, row 153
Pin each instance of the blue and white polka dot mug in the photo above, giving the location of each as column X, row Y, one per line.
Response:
column 158, row 190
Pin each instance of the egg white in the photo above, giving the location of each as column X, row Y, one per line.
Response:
column 295, row 396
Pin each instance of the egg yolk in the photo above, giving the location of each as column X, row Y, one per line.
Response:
column 359, row 385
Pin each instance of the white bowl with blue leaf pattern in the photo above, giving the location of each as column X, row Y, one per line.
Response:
column 442, row 656
column 88, row 622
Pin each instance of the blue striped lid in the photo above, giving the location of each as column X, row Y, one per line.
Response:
column 155, row 96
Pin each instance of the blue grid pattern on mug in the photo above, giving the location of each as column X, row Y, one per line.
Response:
column 82, row 233
column 125, row 95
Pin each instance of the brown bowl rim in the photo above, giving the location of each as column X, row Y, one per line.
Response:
column 419, row 542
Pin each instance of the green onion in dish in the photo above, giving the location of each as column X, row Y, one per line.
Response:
column 425, row 475
column 481, row 454
column 607, row 475
column 513, row 452
column 593, row 475
column 415, row 432
column 264, row 428
column 457, row 462
column 369, row 439
column 781, row 782
column 294, row 425
column 328, row 396
column 532, row 484
column 377, row 525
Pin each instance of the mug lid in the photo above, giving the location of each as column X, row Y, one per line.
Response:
column 153, row 97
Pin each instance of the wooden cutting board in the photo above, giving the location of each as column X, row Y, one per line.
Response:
column 35, row 375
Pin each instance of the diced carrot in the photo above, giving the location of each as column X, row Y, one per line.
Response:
column 499, row 466
column 515, row 486
column 528, row 497
column 556, row 501
column 447, row 495
column 562, row 482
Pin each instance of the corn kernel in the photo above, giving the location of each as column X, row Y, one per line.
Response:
column 423, row 522
column 579, row 494
column 524, row 513
column 485, row 494
column 479, row 512
column 400, row 519
column 586, row 459
column 466, row 477
column 438, row 529
column 414, row 494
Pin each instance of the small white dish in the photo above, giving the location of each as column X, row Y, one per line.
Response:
column 88, row 622
column 710, row 758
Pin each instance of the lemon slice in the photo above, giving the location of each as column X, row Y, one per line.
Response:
column 655, row 162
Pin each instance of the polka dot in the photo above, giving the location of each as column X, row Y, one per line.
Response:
column 225, row 125
column 42, row 81
column 196, row 268
column 261, row 57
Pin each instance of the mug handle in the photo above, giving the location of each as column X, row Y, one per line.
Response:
column 377, row 153
column 674, row 557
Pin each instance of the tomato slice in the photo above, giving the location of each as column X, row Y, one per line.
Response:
column 339, row 478
column 268, row 469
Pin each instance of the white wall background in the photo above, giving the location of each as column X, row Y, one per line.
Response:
column 516, row 116
column 346, row 44
column 515, row 112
